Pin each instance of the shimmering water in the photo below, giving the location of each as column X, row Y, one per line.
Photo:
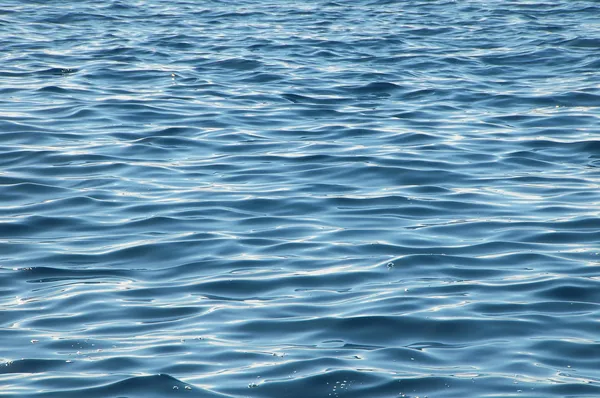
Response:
column 312, row 198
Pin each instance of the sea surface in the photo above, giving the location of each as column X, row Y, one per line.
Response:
column 314, row 198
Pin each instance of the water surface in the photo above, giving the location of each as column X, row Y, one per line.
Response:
column 309, row 198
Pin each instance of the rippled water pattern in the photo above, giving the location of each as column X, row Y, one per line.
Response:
column 367, row 198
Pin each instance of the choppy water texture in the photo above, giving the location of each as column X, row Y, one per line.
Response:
column 299, row 198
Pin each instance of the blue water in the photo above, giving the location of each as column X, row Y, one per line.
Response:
column 314, row 198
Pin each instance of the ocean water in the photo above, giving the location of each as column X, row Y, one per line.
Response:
column 315, row 198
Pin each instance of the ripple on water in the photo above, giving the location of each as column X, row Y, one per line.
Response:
column 301, row 199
